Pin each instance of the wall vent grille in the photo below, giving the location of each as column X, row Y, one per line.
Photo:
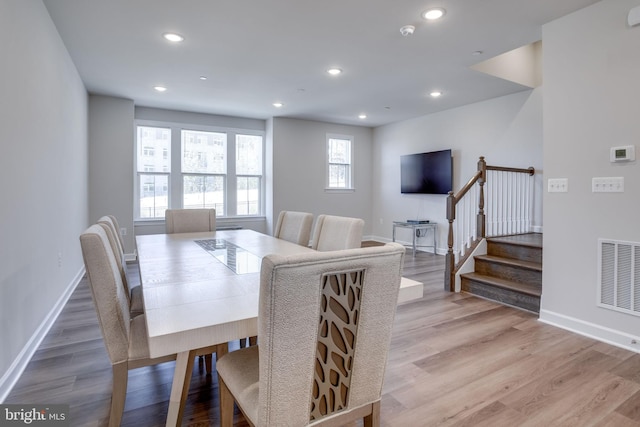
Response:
column 619, row 276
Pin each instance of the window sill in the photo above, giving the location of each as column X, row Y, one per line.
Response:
column 339, row 190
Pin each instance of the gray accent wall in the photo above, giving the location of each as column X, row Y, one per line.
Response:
column 298, row 151
column 591, row 96
column 111, row 139
column 43, row 180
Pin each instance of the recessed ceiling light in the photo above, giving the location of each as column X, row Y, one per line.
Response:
column 435, row 94
column 203, row 77
column 173, row 37
column 432, row 14
column 278, row 104
column 362, row 116
column 334, row 71
column 160, row 88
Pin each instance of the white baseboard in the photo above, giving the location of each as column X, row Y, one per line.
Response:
column 536, row 228
column 11, row 377
column 591, row 330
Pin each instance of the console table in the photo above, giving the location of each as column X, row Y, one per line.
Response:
column 415, row 227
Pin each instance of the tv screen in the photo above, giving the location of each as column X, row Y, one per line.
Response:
column 427, row 173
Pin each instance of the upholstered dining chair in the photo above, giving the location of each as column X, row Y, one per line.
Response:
column 189, row 220
column 333, row 233
column 324, row 324
column 125, row 337
column 134, row 293
column 294, row 227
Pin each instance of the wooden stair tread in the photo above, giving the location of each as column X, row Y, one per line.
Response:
column 529, row 265
column 523, row 288
column 532, row 240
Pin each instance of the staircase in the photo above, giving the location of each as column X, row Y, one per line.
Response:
column 510, row 273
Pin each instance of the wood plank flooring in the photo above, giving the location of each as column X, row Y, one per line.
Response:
column 455, row 360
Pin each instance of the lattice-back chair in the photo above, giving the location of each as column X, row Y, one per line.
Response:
column 294, row 227
column 324, row 328
column 333, row 233
column 189, row 220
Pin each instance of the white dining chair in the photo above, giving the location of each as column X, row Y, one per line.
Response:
column 134, row 293
column 324, row 324
column 333, row 233
column 294, row 227
column 189, row 220
column 125, row 337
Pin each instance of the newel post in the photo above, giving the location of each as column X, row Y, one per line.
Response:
column 449, row 262
column 481, row 220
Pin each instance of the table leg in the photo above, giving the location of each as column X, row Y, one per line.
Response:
column 414, row 231
column 180, row 387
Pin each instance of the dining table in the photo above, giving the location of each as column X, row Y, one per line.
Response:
column 202, row 289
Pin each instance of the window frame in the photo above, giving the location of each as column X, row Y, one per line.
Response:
column 175, row 181
column 351, row 187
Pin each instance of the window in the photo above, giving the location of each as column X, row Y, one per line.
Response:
column 204, row 169
column 152, row 171
column 339, row 162
column 217, row 168
column 248, row 174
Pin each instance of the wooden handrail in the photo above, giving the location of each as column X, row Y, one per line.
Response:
column 468, row 186
column 529, row 171
column 480, row 177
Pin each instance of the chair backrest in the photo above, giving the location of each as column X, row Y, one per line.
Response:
column 333, row 233
column 108, row 292
column 116, row 225
column 190, row 220
column 325, row 322
column 294, row 227
column 113, row 242
column 109, row 221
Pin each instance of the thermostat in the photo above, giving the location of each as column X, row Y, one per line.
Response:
column 626, row 153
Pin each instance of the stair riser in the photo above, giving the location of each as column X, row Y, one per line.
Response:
column 506, row 250
column 526, row 302
column 509, row 272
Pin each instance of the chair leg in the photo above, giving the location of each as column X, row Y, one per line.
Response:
column 373, row 419
column 208, row 363
column 120, row 373
column 226, row 404
column 253, row 340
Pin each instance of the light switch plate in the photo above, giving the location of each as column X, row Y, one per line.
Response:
column 558, row 185
column 610, row 184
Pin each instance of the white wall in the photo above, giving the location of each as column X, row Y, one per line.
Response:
column 506, row 130
column 299, row 170
column 43, row 180
column 591, row 93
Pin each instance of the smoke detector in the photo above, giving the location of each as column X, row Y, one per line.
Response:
column 407, row 30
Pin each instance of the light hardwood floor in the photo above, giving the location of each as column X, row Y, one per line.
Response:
column 455, row 360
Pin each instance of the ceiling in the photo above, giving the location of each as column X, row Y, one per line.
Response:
column 257, row 52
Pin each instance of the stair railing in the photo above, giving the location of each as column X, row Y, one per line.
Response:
column 509, row 211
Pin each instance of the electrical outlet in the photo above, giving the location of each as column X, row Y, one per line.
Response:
column 123, row 231
column 558, row 185
column 59, row 259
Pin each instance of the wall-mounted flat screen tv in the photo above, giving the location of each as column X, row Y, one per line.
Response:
column 427, row 173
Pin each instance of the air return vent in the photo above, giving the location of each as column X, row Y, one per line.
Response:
column 619, row 276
